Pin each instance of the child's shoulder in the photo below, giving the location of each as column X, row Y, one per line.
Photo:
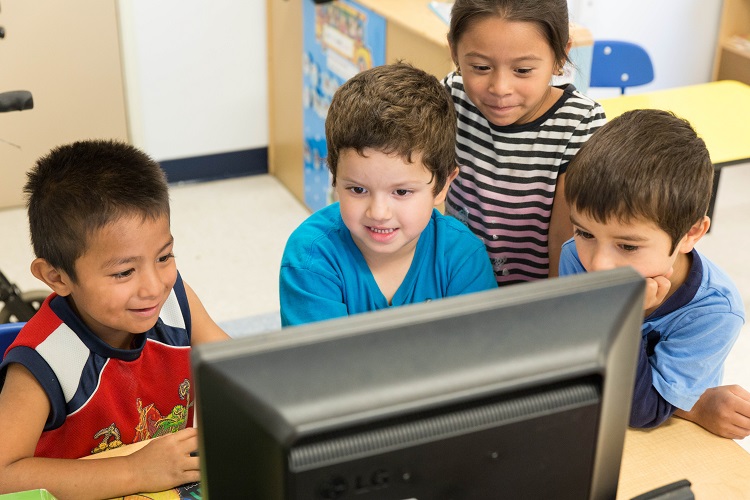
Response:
column 706, row 293
column 451, row 79
column 574, row 99
column 715, row 282
column 452, row 229
column 46, row 325
column 319, row 224
column 323, row 233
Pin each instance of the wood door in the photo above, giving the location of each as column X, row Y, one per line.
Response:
column 68, row 55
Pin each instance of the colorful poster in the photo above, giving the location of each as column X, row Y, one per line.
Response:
column 341, row 38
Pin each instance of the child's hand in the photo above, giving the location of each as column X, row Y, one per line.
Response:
column 657, row 288
column 165, row 462
column 723, row 410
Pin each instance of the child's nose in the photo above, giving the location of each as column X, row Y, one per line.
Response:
column 150, row 284
column 602, row 260
column 500, row 83
column 379, row 209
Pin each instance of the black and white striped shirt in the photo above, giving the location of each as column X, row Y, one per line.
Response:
column 508, row 174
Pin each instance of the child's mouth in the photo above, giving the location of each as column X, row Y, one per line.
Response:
column 380, row 230
column 146, row 311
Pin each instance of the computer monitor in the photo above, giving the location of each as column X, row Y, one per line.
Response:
column 522, row 391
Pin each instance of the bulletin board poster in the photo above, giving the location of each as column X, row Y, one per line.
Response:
column 340, row 39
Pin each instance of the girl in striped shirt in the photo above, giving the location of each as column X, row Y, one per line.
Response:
column 516, row 131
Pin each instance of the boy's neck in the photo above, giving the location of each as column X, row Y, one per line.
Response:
column 681, row 267
column 390, row 271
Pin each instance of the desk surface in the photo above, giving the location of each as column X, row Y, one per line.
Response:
column 718, row 468
column 719, row 112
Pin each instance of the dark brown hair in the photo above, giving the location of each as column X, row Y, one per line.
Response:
column 550, row 16
column 78, row 188
column 645, row 164
column 394, row 109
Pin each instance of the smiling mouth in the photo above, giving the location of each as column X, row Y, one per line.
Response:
column 501, row 108
column 145, row 310
column 381, row 230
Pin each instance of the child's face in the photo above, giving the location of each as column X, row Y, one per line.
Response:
column 124, row 278
column 640, row 244
column 506, row 68
column 385, row 202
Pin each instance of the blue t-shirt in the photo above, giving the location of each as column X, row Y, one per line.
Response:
column 324, row 275
column 684, row 341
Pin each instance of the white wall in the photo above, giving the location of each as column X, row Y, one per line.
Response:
column 196, row 70
column 680, row 35
column 195, row 75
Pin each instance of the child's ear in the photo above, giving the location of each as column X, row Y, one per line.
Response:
column 560, row 65
column 58, row 281
column 694, row 235
column 440, row 198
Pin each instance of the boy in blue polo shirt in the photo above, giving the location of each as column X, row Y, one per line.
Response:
column 391, row 135
column 639, row 191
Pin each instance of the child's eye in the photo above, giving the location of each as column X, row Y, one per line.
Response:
column 124, row 274
column 480, row 67
column 523, row 71
column 582, row 234
column 165, row 258
column 357, row 190
column 629, row 248
column 402, row 192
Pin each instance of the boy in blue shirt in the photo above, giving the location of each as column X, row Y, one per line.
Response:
column 639, row 191
column 391, row 134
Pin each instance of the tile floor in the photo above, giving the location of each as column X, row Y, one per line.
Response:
column 230, row 235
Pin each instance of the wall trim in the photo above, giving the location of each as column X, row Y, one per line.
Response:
column 217, row 166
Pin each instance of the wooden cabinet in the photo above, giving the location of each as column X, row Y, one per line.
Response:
column 68, row 55
column 413, row 33
column 732, row 62
column 285, row 148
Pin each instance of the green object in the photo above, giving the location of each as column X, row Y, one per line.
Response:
column 29, row 495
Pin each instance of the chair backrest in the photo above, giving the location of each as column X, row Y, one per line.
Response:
column 8, row 332
column 620, row 64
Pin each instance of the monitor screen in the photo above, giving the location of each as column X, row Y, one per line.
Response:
column 522, row 391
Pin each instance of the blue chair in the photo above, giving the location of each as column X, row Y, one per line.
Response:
column 8, row 332
column 620, row 65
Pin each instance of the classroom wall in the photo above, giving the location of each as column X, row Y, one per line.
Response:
column 196, row 71
column 195, row 75
column 680, row 35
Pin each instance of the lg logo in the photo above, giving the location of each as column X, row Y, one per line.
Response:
column 338, row 486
